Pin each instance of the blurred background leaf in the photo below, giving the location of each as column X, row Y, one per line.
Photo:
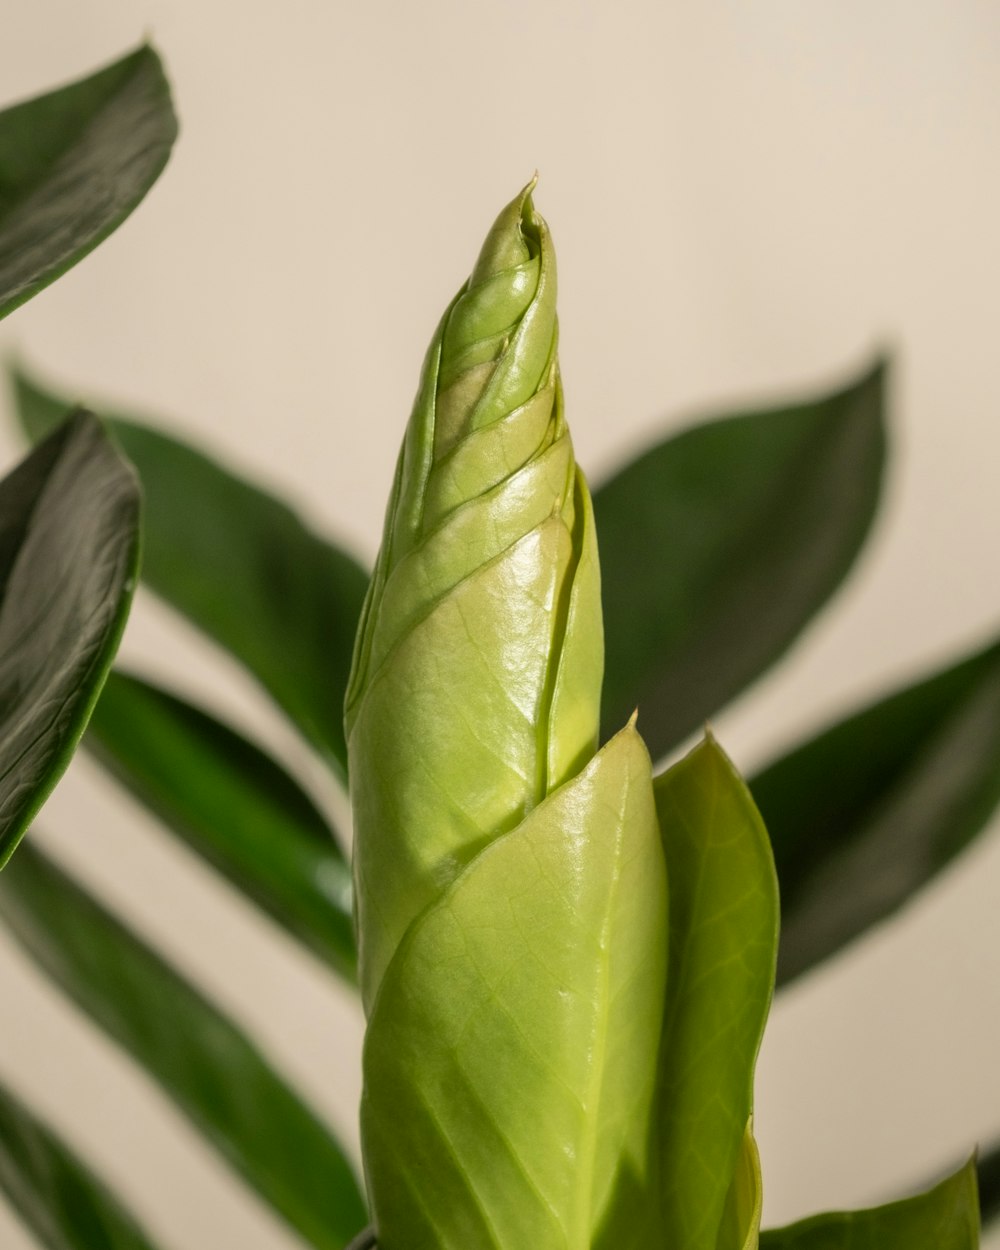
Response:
column 73, row 164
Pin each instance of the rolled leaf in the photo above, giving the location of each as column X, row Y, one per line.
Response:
column 69, row 550
column 723, row 944
column 233, row 805
column 477, row 670
column 510, row 1060
column 865, row 814
column 58, row 1198
column 510, row 883
column 73, row 164
column 201, row 1060
column 243, row 567
column 944, row 1218
column 719, row 545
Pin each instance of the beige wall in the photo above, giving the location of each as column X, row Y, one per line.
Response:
column 747, row 199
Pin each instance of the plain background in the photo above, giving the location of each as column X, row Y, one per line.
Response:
column 748, row 199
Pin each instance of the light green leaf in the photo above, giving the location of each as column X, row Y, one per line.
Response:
column 73, row 164
column 740, row 1228
column 865, row 814
column 944, row 1218
column 723, row 942
column 718, row 547
column 202, row 1061
column 510, row 1058
column 244, row 568
column 59, row 1199
column 69, row 548
column 232, row 804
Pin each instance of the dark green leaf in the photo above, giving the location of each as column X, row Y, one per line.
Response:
column 866, row 813
column 202, row 1061
column 69, row 517
column 944, row 1218
column 73, row 164
column 723, row 940
column 232, row 804
column 244, row 568
column 718, row 546
column 988, row 1172
column 59, row 1200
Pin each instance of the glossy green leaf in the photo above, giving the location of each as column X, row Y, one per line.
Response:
column 944, row 1218
column 73, row 164
column 719, row 545
column 510, row 1057
column 202, row 1061
column 232, row 804
column 244, row 568
column 723, row 942
column 69, row 539
column 59, row 1199
column 988, row 1172
column 865, row 814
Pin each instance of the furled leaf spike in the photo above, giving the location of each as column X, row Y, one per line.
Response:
column 482, row 629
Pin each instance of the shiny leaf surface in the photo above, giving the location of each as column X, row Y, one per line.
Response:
column 59, row 1199
column 944, row 1218
column 719, row 545
column 244, row 568
column 723, row 942
column 510, row 1058
column 201, row 1060
column 865, row 814
column 73, row 164
column 69, row 517
column 233, row 805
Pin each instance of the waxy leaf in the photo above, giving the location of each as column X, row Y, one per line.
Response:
column 232, row 804
column 865, row 814
column 69, row 548
column 510, row 1059
column 59, row 1199
column 476, row 684
column 244, row 568
column 719, row 545
column 944, row 1218
column 723, row 943
column 745, row 1201
column 73, row 164
column 202, row 1061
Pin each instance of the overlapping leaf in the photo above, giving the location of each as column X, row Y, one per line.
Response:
column 511, row 1053
column 232, row 804
column 865, row 814
column 718, row 546
column 73, row 164
column 69, row 516
column 59, row 1199
column 202, row 1061
column 944, row 1218
column 723, row 941
column 244, row 568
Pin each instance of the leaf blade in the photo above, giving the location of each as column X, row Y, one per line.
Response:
column 549, row 1129
column 74, row 163
column 944, row 1218
column 868, row 811
column 243, row 567
column 201, row 1060
column 759, row 518
column 71, row 508
column 234, row 806
column 723, row 941
column 56, row 1196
